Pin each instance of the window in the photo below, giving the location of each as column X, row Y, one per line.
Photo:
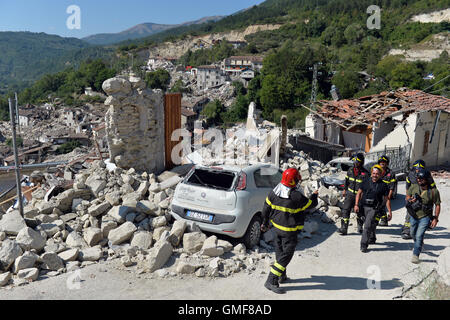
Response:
column 267, row 181
column 425, row 142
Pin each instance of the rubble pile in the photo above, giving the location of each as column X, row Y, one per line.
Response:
column 156, row 64
column 113, row 215
column 330, row 199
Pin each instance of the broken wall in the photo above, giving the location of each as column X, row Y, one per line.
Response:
column 134, row 124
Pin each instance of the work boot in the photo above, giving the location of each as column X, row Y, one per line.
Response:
column 372, row 240
column 284, row 278
column 364, row 249
column 343, row 229
column 272, row 285
column 406, row 234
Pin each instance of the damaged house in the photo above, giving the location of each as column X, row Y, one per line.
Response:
column 388, row 119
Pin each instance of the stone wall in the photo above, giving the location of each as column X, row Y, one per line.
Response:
column 135, row 124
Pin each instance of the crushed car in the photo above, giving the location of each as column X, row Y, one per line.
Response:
column 226, row 199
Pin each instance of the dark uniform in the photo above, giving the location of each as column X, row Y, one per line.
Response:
column 372, row 205
column 353, row 181
column 411, row 179
column 287, row 216
column 389, row 179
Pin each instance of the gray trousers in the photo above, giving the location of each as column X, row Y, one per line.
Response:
column 370, row 225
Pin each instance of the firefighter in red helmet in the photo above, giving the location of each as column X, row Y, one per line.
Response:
column 285, row 209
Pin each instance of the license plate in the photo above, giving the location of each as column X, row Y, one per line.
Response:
column 199, row 215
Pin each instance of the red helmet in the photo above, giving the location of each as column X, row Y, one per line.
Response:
column 290, row 177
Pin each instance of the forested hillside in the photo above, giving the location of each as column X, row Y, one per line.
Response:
column 25, row 57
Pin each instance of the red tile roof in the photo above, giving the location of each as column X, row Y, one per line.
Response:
column 374, row 108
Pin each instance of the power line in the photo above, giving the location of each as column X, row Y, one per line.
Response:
column 440, row 89
column 436, row 83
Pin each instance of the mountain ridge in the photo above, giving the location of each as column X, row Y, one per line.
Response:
column 140, row 31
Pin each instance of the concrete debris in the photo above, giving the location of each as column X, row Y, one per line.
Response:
column 123, row 215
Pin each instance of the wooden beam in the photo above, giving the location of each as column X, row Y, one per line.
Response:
column 326, row 119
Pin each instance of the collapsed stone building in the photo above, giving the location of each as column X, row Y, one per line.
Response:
column 135, row 124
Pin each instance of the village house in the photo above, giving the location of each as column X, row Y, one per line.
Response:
column 385, row 120
column 72, row 117
column 83, row 139
column 236, row 64
column 28, row 155
column 238, row 44
column 30, row 115
column 188, row 118
column 195, row 104
column 209, row 77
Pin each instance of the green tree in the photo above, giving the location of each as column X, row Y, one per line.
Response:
column 213, row 112
column 406, row 75
column 354, row 33
column 159, row 79
column 347, row 82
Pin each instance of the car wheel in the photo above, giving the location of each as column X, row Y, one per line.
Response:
column 253, row 233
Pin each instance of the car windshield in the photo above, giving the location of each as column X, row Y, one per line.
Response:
column 216, row 179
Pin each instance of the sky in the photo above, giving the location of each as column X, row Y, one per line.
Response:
column 106, row 16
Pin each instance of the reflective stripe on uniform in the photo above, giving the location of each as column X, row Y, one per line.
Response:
column 407, row 180
column 407, row 224
column 275, row 272
column 351, row 190
column 279, row 266
column 433, row 185
column 345, row 219
column 353, row 179
column 286, row 228
column 289, row 210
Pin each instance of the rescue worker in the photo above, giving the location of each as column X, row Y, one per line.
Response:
column 389, row 179
column 373, row 195
column 353, row 180
column 420, row 200
column 411, row 179
column 285, row 209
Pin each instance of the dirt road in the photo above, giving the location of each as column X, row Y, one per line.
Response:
column 327, row 266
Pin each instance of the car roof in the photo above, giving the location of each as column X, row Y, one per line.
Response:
column 238, row 168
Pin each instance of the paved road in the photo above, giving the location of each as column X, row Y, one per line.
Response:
column 327, row 266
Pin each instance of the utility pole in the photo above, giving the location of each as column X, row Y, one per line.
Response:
column 314, row 84
column 16, row 156
column 17, row 111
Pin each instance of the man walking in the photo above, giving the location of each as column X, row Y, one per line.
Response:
column 353, row 180
column 285, row 209
column 420, row 200
column 373, row 194
column 411, row 179
column 389, row 179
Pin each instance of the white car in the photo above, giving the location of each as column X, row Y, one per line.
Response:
column 226, row 199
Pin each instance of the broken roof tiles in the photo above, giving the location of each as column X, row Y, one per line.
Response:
column 366, row 110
